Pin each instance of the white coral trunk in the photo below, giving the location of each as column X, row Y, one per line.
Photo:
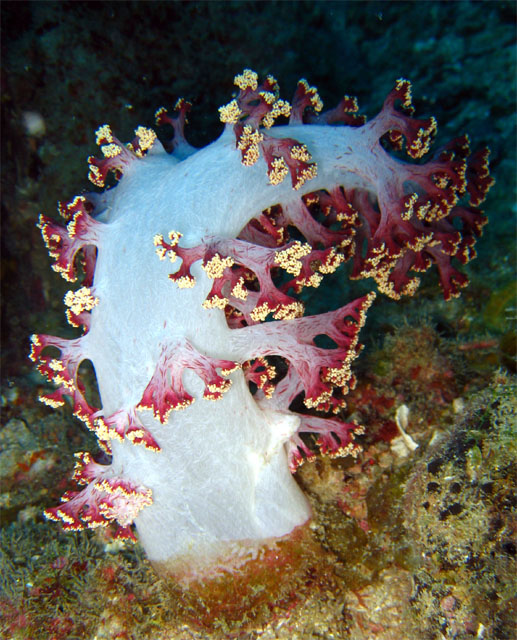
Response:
column 222, row 473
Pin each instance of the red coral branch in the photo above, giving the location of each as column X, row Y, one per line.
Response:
column 258, row 106
column 267, row 229
column 335, row 437
column 178, row 146
column 105, row 499
column 321, row 370
column 305, row 101
column 124, row 424
column 297, row 213
column 165, row 392
column 399, row 123
column 233, row 263
column 64, row 243
column 63, row 372
column 344, row 113
column 117, row 156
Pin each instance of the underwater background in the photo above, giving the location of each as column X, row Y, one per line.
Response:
column 423, row 542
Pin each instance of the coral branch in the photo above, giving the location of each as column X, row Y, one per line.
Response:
column 165, row 392
column 178, row 146
column 344, row 113
column 80, row 303
column 398, row 123
column 335, row 437
column 117, row 156
column 124, row 424
column 233, row 263
column 413, row 231
column 63, row 244
column 105, row 499
column 259, row 105
column 321, row 370
column 306, row 100
column 63, row 372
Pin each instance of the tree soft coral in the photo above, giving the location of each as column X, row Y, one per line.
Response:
column 208, row 372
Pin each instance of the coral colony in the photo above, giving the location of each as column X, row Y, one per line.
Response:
column 209, row 373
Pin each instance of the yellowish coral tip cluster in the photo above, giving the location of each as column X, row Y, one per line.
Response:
column 111, row 150
column 104, row 432
column 261, row 312
column 314, row 403
column 138, row 500
column 422, row 143
column 306, row 174
column 278, row 171
column 104, row 135
column 218, row 387
column 230, row 113
column 248, row 79
column 162, row 250
column 35, row 342
column 249, row 143
column 332, row 262
column 312, row 92
column 95, row 176
column 146, row 139
column 215, row 302
column 185, row 282
column 404, row 86
column 80, row 300
column 280, row 108
column 300, row 152
column 370, row 297
column 215, row 267
column 289, row 259
column 180, row 103
column 352, row 104
column 239, row 291
column 409, row 207
column 289, row 311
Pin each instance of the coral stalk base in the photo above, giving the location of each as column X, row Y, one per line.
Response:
column 285, row 573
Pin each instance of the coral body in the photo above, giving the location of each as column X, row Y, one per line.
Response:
column 182, row 264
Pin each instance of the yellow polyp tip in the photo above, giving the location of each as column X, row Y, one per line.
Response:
column 174, row 237
column 216, row 266
column 185, row 282
column 102, row 134
column 307, row 174
column 215, row 302
column 230, row 113
column 247, row 79
column 146, row 137
column 278, row 172
column 111, row 150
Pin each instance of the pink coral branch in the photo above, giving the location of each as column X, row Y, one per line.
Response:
column 63, row 372
column 417, row 133
column 165, row 392
column 117, row 156
column 105, row 499
column 335, row 437
column 178, row 146
column 124, row 424
column 63, row 244
column 320, row 369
